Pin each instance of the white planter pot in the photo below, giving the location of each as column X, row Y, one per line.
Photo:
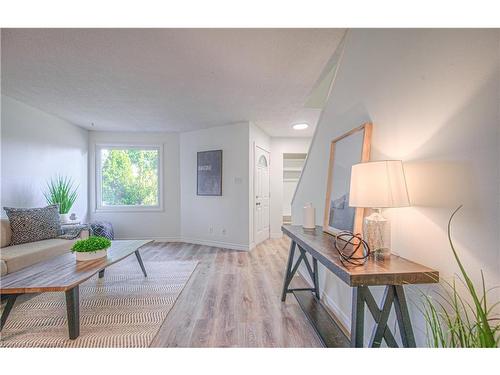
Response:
column 83, row 257
column 65, row 218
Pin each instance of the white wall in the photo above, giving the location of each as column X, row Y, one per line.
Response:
column 257, row 137
column 433, row 96
column 229, row 211
column 162, row 225
column 35, row 147
column 289, row 188
column 280, row 146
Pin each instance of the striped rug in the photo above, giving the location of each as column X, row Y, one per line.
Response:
column 124, row 309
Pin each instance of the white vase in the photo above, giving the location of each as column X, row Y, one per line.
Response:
column 309, row 216
column 65, row 218
column 87, row 256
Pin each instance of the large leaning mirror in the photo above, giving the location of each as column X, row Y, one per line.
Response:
column 350, row 148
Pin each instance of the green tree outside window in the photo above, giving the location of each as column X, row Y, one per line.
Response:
column 129, row 177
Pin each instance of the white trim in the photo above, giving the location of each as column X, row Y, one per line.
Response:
column 224, row 245
column 339, row 314
column 195, row 241
column 156, row 239
column 97, row 175
column 330, row 304
column 262, row 148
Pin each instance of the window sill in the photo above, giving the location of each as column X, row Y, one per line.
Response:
column 127, row 210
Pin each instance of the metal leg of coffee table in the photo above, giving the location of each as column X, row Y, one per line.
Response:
column 11, row 300
column 139, row 259
column 73, row 312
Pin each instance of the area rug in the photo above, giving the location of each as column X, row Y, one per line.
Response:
column 124, row 309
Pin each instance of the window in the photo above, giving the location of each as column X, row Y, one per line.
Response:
column 128, row 177
column 262, row 161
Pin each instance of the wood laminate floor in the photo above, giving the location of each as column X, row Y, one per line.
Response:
column 233, row 299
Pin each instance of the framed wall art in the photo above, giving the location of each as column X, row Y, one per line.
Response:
column 350, row 148
column 209, row 173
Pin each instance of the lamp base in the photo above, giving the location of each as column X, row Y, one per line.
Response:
column 377, row 233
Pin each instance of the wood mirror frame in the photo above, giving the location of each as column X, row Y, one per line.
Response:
column 366, row 129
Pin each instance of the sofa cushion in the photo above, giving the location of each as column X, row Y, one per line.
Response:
column 20, row 256
column 33, row 224
column 5, row 233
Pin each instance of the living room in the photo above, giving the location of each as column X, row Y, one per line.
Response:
column 250, row 188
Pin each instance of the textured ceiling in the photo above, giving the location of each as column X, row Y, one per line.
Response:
column 168, row 79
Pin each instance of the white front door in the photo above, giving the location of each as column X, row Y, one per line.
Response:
column 261, row 189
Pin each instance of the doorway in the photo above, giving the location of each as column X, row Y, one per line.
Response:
column 261, row 189
column 293, row 163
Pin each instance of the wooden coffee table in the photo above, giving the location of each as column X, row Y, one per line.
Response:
column 64, row 274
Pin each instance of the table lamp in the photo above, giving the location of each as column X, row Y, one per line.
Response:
column 377, row 185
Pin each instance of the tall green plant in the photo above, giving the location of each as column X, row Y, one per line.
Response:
column 60, row 191
column 460, row 321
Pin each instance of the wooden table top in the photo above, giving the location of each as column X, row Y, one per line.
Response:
column 63, row 272
column 392, row 271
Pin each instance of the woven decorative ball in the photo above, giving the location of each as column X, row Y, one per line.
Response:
column 352, row 248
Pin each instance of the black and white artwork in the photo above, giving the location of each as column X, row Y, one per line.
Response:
column 209, row 173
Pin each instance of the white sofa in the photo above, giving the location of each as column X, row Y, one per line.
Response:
column 16, row 257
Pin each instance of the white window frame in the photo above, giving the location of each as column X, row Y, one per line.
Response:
column 98, row 177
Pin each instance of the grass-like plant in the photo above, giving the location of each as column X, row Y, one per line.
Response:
column 60, row 191
column 456, row 321
column 91, row 244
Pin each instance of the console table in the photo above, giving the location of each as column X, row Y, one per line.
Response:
column 393, row 273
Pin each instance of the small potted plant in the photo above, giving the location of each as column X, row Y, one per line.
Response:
column 92, row 248
column 60, row 191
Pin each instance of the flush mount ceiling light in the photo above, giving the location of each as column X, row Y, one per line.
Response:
column 300, row 126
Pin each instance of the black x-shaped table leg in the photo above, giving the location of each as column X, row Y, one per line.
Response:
column 292, row 269
column 393, row 296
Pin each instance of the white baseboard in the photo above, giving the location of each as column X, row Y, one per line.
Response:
column 196, row 241
column 277, row 235
column 339, row 314
column 326, row 299
column 224, row 245
column 157, row 239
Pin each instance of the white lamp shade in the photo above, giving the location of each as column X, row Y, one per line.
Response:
column 378, row 184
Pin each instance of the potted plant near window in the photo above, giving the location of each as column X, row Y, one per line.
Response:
column 60, row 191
column 92, row 248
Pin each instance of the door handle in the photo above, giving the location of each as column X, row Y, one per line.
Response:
column 257, row 204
